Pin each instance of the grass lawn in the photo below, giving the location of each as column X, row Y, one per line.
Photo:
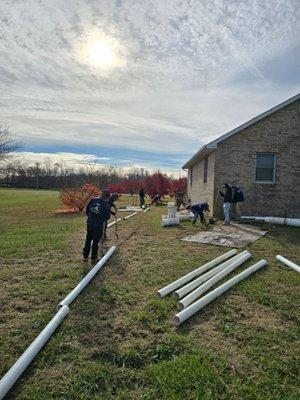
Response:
column 117, row 341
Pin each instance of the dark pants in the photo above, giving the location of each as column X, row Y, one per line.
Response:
column 142, row 201
column 93, row 236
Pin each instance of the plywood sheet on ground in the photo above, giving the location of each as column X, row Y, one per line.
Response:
column 230, row 236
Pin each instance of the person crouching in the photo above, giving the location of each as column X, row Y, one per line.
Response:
column 98, row 212
column 198, row 210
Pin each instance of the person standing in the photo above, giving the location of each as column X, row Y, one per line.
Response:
column 113, row 211
column 142, row 197
column 98, row 212
column 237, row 199
column 178, row 198
column 227, row 203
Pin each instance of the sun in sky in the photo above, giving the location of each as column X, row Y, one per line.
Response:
column 101, row 51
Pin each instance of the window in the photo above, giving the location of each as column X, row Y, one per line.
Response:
column 205, row 167
column 191, row 176
column 265, row 168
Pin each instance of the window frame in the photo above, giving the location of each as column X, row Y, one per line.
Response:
column 205, row 169
column 273, row 181
column 191, row 176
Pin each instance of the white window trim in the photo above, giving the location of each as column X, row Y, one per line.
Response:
column 274, row 170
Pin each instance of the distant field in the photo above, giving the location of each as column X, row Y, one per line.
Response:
column 117, row 342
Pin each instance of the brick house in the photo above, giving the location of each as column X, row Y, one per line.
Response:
column 262, row 156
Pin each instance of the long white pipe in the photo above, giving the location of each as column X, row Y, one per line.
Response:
column 198, row 305
column 190, row 298
column 114, row 222
column 147, row 209
column 22, row 363
column 193, row 274
column 130, row 216
column 178, row 294
column 82, row 284
column 276, row 220
column 289, row 263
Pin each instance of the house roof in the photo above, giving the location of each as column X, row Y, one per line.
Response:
column 211, row 146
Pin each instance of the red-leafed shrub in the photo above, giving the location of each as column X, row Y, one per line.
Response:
column 157, row 183
column 75, row 199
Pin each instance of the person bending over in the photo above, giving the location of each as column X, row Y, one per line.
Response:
column 98, row 212
column 198, row 211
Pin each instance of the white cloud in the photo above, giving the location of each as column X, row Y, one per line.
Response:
column 187, row 70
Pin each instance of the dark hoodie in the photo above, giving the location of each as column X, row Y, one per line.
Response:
column 228, row 194
column 97, row 211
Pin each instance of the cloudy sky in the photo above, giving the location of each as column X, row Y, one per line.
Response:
column 141, row 82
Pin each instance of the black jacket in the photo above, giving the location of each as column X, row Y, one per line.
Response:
column 227, row 196
column 97, row 211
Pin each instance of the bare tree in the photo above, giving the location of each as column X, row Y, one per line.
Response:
column 8, row 143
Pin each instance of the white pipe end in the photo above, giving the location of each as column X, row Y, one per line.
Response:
column 175, row 321
column 180, row 306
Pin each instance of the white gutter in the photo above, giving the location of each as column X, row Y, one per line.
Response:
column 288, row 263
column 129, row 216
column 193, row 274
column 22, row 363
column 276, row 220
column 190, row 298
column 197, row 282
column 198, row 305
column 82, row 284
column 113, row 223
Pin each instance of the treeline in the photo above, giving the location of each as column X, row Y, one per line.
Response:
column 48, row 175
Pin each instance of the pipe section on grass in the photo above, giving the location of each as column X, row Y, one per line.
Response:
column 147, row 209
column 183, row 217
column 22, row 363
column 169, row 221
column 82, row 284
column 190, row 298
column 114, row 222
column 130, row 216
column 203, row 278
column 289, row 263
column 193, row 274
column 276, row 220
column 199, row 304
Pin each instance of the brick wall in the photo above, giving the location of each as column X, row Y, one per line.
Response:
column 200, row 191
column 235, row 161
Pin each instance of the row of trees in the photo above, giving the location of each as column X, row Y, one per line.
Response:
column 15, row 172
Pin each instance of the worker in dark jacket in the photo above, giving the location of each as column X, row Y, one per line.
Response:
column 142, row 197
column 113, row 211
column 98, row 212
column 227, row 203
column 198, row 210
column 237, row 199
column 155, row 199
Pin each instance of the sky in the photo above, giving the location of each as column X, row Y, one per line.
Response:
column 141, row 82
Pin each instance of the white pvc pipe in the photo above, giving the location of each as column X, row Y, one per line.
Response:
column 183, row 217
column 113, row 223
column 198, row 305
column 170, row 222
column 147, row 209
column 193, row 274
column 276, row 220
column 190, row 298
column 289, row 263
column 82, row 284
column 22, row 363
column 129, row 216
column 178, row 294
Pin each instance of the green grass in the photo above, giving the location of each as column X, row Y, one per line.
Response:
column 118, row 342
